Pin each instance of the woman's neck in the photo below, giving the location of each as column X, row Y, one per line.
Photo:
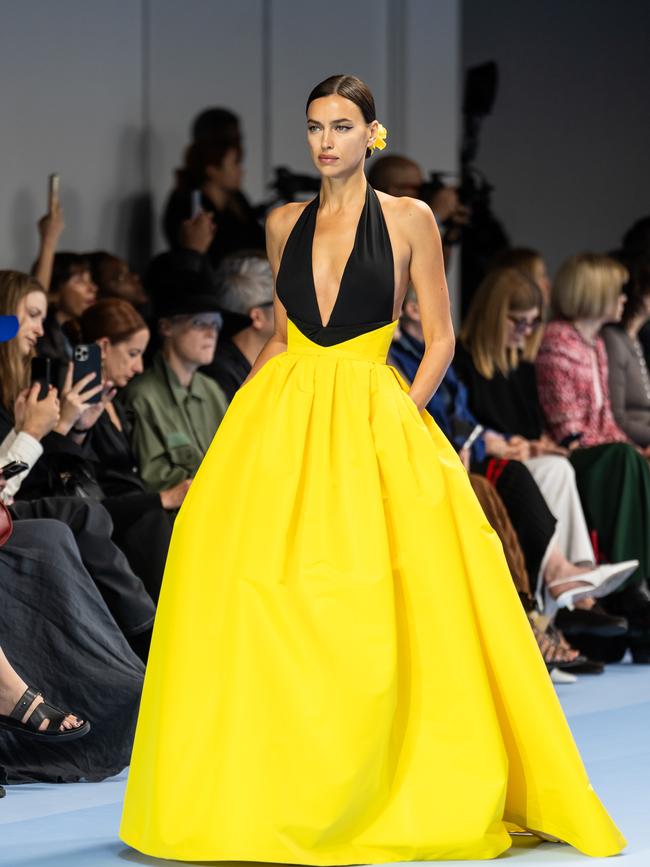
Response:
column 588, row 329
column 183, row 369
column 217, row 195
column 635, row 325
column 341, row 194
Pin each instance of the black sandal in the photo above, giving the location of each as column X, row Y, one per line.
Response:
column 41, row 712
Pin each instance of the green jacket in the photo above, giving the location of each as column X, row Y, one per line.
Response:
column 172, row 425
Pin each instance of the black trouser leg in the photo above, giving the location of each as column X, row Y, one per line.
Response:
column 124, row 593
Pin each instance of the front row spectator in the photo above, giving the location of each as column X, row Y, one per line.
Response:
column 629, row 380
column 245, row 291
column 503, row 396
column 28, row 427
column 175, row 410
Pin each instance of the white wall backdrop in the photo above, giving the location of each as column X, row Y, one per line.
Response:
column 105, row 93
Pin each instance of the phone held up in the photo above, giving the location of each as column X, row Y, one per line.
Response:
column 12, row 469
column 87, row 358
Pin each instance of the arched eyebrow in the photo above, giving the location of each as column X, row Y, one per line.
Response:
column 338, row 120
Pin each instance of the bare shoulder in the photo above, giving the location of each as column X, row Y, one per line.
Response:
column 413, row 216
column 280, row 221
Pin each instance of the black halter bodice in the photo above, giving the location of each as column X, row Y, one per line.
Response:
column 366, row 295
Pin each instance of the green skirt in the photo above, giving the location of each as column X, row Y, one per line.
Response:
column 614, row 485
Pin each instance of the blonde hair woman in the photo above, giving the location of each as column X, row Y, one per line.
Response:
column 572, row 361
column 506, row 400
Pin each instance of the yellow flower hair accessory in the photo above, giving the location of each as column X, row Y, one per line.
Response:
column 380, row 140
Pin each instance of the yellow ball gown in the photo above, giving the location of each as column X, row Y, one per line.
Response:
column 341, row 671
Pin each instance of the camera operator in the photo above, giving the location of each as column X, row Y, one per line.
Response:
column 401, row 176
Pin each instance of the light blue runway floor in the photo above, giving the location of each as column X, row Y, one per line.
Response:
column 76, row 825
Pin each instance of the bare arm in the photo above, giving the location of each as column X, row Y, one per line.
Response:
column 276, row 235
column 427, row 272
column 49, row 227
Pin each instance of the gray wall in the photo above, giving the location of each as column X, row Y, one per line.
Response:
column 104, row 93
column 568, row 142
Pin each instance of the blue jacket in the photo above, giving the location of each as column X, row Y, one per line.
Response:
column 448, row 406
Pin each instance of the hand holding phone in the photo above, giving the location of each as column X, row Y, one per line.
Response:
column 53, row 184
column 13, row 468
column 195, row 205
column 471, row 439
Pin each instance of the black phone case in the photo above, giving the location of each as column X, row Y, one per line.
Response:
column 87, row 359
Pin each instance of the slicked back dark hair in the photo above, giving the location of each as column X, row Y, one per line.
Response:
column 350, row 87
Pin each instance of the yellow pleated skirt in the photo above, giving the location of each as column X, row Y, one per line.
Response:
column 341, row 671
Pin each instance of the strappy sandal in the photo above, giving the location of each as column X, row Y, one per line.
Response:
column 553, row 646
column 43, row 711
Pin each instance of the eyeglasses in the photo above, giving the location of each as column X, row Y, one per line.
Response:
column 521, row 324
column 210, row 322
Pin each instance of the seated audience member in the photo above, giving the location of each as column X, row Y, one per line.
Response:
column 531, row 264
column 71, row 292
column 494, row 358
column 143, row 520
column 546, row 542
column 401, row 176
column 57, row 629
column 213, row 169
column 114, row 279
column 571, row 364
column 628, row 376
column 174, row 409
column 245, row 289
column 26, row 425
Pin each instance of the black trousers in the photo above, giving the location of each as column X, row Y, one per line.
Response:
column 532, row 519
column 144, row 536
column 123, row 591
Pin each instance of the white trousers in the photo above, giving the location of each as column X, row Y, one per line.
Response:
column 556, row 480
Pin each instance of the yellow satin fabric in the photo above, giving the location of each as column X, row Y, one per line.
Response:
column 341, row 671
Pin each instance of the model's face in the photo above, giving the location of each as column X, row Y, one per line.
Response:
column 193, row 338
column 123, row 360
column 338, row 135
column 77, row 294
column 521, row 324
column 31, row 312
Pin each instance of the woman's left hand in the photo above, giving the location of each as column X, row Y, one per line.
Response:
column 91, row 415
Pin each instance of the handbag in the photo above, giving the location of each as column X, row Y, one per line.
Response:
column 6, row 524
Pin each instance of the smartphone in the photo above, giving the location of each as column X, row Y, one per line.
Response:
column 87, row 358
column 471, row 439
column 53, row 192
column 12, row 469
column 42, row 374
column 195, row 206
column 570, row 438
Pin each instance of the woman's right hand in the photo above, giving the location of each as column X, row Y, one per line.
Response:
column 37, row 417
column 51, row 226
column 519, row 449
column 173, row 498
column 74, row 400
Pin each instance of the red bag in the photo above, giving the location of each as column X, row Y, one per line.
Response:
column 6, row 524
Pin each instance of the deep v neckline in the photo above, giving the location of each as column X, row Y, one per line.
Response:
column 347, row 263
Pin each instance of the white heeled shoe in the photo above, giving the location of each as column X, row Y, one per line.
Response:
column 596, row 583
